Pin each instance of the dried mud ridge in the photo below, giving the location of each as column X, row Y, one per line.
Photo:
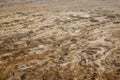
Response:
column 82, row 45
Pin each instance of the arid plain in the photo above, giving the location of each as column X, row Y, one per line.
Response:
column 59, row 39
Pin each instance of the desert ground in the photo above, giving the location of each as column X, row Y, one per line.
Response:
column 59, row 39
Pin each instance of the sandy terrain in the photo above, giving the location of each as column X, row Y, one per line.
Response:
column 59, row 39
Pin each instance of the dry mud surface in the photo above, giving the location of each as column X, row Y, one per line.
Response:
column 60, row 40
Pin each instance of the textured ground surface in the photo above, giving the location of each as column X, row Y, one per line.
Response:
column 59, row 40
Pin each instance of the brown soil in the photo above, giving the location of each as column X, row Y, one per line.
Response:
column 59, row 40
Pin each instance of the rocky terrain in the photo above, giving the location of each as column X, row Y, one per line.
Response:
column 59, row 39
